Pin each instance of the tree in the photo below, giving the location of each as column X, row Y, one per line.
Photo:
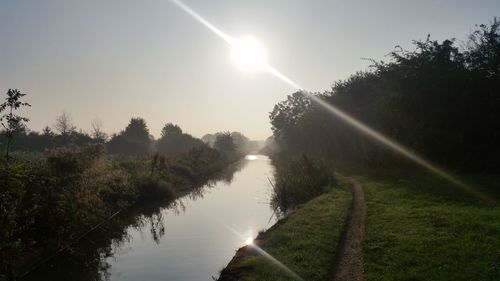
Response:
column 11, row 122
column 287, row 113
column 171, row 129
column 174, row 141
column 47, row 131
column 134, row 140
column 224, row 142
column 209, row 139
column 97, row 134
column 64, row 124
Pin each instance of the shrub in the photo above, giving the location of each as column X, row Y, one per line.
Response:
column 299, row 181
column 154, row 188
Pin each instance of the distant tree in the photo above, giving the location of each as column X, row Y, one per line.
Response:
column 134, row 140
column 243, row 143
column 137, row 130
column 11, row 122
column 69, row 135
column 64, row 124
column 269, row 146
column 47, row 131
column 224, row 142
column 97, row 134
column 209, row 139
column 174, row 141
column 171, row 129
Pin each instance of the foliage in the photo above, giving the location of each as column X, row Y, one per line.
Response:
column 11, row 122
column 174, row 141
column 97, row 134
column 439, row 100
column 64, row 124
column 300, row 180
column 242, row 144
column 134, row 140
column 224, row 142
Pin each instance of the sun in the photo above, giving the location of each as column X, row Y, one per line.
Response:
column 249, row 241
column 249, row 54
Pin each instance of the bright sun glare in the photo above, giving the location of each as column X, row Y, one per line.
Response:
column 248, row 54
column 251, row 157
column 249, row 241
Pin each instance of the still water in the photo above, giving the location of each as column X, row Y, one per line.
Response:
column 190, row 239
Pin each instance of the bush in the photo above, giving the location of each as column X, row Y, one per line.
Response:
column 154, row 188
column 300, row 180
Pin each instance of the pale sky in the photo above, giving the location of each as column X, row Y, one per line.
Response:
column 117, row 59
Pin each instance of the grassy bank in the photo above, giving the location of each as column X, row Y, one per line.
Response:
column 419, row 227
column 305, row 241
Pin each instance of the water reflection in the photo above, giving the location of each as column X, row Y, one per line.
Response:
column 147, row 242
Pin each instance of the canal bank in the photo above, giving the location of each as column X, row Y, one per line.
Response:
column 192, row 238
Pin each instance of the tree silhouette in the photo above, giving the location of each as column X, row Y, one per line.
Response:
column 64, row 124
column 171, row 129
column 11, row 122
column 97, row 134
column 134, row 140
column 437, row 99
column 174, row 141
column 224, row 142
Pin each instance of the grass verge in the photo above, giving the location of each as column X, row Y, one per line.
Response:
column 305, row 241
column 419, row 227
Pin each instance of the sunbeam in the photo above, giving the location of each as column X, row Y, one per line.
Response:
column 276, row 262
column 392, row 144
column 203, row 21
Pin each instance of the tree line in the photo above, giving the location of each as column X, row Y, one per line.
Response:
column 134, row 140
column 439, row 99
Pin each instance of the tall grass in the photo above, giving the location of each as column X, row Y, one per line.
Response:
column 300, row 180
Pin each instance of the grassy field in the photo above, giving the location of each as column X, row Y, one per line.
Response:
column 421, row 228
column 306, row 242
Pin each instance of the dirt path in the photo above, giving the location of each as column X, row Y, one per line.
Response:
column 349, row 263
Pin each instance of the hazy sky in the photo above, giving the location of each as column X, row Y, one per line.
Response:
column 116, row 59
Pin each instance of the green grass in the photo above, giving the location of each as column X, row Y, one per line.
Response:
column 422, row 228
column 306, row 242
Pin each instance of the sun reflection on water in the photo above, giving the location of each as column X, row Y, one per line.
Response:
column 251, row 157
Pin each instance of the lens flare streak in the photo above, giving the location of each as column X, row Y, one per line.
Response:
column 203, row 21
column 395, row 146
column 276, row 262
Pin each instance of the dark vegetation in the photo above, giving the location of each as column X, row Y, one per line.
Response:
column 57, row 185
column 298, row 181
column 240, row 141
column 439, row 100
